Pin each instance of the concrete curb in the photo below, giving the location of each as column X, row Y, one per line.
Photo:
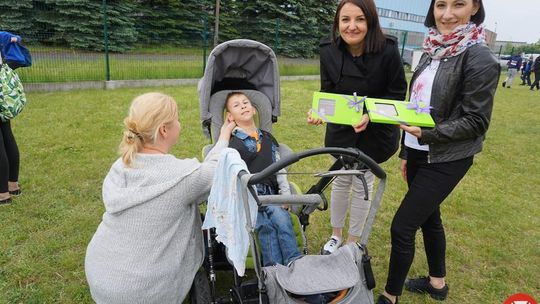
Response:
column 106, row 85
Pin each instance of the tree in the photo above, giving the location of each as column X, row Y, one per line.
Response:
column 291, row 27
column 508, row 48
column 195, row 14
column 529, row 49
column 80, row 23
column 171, row 22
column 156, row 22
column 229, row 25
column 314, row 21
column 121, row 25
column 16, row 17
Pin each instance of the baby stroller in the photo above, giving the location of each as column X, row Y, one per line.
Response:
column 251, row 67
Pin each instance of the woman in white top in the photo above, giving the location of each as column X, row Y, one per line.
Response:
column 457, row 76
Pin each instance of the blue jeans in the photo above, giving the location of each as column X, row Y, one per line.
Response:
column 276, row 236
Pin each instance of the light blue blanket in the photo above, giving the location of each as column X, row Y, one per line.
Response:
column 226, row 210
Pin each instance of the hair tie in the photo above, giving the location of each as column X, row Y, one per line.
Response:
column 130, row 136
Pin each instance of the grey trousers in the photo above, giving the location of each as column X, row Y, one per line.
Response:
column 510, row 77
column 348, row 193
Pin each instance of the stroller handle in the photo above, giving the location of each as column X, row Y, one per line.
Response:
column 292, row 158
column 297, row 199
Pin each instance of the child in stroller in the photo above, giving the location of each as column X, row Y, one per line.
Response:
column 259, row 149
column 251, row 67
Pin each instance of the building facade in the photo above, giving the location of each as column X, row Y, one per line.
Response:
column 405, row 20
column 491, row 37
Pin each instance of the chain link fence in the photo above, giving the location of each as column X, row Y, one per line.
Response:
column 100, row 40
column 117, row 41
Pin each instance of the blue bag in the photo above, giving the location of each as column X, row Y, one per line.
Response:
column 16, row 55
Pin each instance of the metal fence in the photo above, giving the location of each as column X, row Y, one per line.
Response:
column 100, row 47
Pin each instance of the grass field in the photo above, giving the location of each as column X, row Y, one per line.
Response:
column 64, row 65
column 68, row 141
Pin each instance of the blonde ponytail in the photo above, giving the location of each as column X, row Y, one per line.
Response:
column 146, row 114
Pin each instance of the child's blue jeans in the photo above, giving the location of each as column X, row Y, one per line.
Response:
column 276, row 236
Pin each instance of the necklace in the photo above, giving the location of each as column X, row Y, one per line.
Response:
column 154, row 149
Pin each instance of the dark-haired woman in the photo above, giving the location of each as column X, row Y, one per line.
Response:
column 361, row 60
column 457, row 75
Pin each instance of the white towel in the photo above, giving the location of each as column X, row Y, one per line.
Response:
column 226, row 211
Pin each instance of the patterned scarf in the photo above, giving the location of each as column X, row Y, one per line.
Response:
column 438, row 46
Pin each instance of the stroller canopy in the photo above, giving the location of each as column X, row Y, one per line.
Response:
column 249, row 60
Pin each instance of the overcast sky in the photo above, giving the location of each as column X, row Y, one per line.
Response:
column 513, row 20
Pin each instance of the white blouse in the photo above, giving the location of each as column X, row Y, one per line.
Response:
column 421, row 92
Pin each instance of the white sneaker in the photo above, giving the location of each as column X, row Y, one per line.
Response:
column 333, row 243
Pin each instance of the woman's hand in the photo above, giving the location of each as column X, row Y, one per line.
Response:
column 313, row 121
column 414, row 131
column 403, row 168
column 226, row 129
column 362, row 125
column 13, row 39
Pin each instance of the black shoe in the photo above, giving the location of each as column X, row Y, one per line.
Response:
column 504, row 84
column 422, row 285
column 384, row 300
column 15, row 192
column 5, row 201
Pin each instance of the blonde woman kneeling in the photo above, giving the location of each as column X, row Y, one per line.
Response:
column 148, row 245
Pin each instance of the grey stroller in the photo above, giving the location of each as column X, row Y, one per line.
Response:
column 345, row 277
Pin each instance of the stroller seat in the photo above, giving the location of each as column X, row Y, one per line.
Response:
column 263, row 119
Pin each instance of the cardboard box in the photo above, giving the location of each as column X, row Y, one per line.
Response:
column 399, row 112
column 337, row 108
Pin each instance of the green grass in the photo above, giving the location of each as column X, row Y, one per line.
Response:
column 123, row 67
column 68, row 141
column 162, row 49
column 64, row 65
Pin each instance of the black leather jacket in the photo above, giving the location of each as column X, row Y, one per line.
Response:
column 462, row 101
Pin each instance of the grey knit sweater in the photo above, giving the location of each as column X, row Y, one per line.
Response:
column 148, row 245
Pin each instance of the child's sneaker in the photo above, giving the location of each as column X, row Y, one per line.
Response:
column 331, row 245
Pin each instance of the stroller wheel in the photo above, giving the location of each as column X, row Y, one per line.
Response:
column 200, row 290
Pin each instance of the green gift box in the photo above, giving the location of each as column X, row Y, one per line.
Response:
column 337, row 108
column 399, row 112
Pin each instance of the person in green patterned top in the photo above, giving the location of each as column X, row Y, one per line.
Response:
column 9, row 152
